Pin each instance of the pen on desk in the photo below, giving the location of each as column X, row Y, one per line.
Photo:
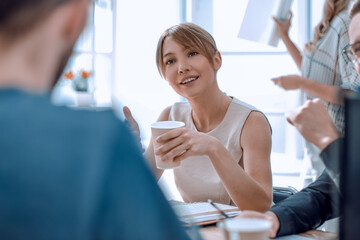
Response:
column 217, row 208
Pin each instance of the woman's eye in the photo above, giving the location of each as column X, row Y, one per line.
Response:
column 193, row 54
column 170, row 61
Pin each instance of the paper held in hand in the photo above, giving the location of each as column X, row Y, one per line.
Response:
column 202, row 213
column 258, row 25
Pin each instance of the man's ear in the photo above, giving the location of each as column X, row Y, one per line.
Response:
column 217, row 60
column 75, row 17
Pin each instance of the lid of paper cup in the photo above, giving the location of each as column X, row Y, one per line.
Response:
column 167, row 124
column 246, row 225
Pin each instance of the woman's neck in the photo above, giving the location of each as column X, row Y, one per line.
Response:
column 208, row 112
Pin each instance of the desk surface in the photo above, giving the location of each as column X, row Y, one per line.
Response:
column 215, row 233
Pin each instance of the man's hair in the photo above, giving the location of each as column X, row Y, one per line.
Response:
column 355, row 9
column 187, row 35
column 17, row 17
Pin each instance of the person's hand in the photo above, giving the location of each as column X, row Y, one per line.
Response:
column 283, row 26
column 270, row 216
column 133, row 124
column 313, row 121
column 181, row 143
column 289, row 82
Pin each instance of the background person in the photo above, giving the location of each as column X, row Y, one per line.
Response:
column 225, row 146
column 324, row 69
column 317, row 203
column 65, row 174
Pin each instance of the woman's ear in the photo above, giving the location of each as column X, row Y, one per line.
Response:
column 217, row 60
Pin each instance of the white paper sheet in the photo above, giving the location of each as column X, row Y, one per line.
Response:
column 258, row 24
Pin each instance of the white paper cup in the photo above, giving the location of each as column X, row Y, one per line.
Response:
column 157, row 129
column 245, row 229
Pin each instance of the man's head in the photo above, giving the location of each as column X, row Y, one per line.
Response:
column 51, row 27
column 354, row 35
column 17, row 17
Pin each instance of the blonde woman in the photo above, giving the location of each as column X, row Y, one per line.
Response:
column 225, row 146
column 325, row 69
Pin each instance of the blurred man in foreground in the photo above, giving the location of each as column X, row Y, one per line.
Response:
column 65, row 174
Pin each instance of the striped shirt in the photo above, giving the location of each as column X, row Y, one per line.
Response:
column 328, row 65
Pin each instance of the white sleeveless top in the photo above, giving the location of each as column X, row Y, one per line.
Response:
column 196, row 178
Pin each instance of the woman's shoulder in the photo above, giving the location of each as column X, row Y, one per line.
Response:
column 257, row 121
column 241, row 104
column 341, row 21
column 255, row 116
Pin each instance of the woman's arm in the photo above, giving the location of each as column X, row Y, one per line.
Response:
column 283, row 29
column 326, row 92
column 293, row 51
column 250, row 188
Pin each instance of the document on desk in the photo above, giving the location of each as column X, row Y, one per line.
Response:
column 202, row 213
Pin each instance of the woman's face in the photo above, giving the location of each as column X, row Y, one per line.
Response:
column 354, row 36
column 188, row 72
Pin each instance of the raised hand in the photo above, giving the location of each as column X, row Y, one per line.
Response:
column 283, row 26
column 289, row 82
column 132, row 122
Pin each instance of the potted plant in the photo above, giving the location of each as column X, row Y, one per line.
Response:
column 81, row 85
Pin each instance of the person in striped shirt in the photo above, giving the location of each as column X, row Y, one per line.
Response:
column 325, row 70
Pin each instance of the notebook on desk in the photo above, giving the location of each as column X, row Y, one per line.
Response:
column 202, row 213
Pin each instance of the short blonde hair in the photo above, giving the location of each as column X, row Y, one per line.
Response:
column 187, row 35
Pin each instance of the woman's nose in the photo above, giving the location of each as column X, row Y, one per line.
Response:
column 183, row 67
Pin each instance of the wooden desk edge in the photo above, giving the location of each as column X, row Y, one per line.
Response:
column 320, row 235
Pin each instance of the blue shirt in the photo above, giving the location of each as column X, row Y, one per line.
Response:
column 75, row 174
